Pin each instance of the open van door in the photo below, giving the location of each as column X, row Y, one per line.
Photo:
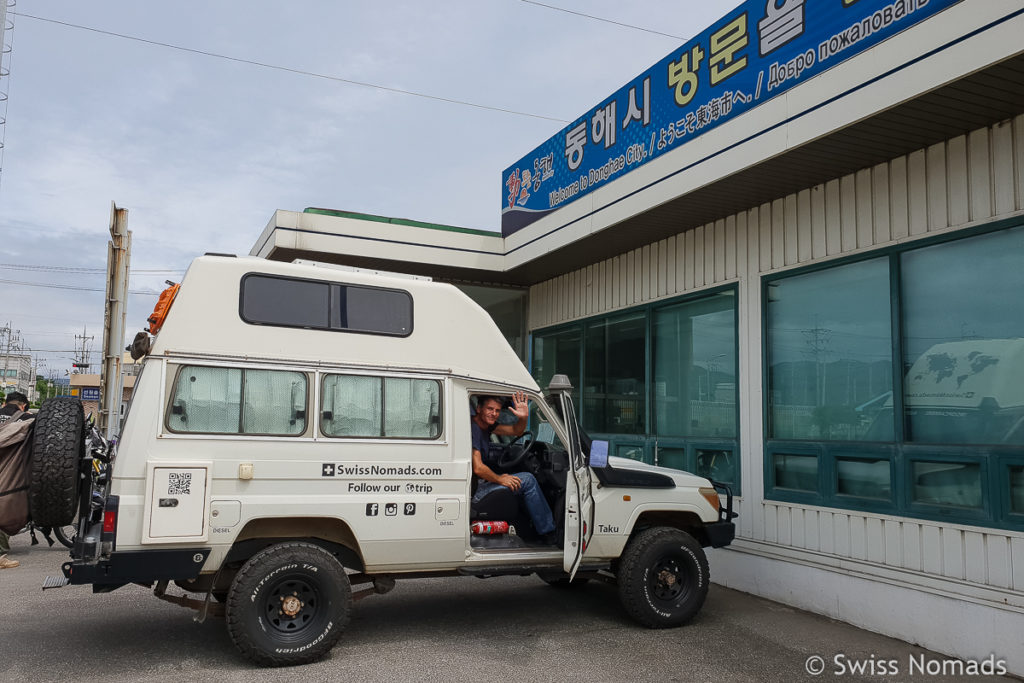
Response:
column 579, row 498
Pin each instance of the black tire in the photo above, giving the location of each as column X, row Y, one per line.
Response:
column 58, row 445
column 66, row 534
column 288, row 605
column 663, row 577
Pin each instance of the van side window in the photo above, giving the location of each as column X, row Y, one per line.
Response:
column 318, row 305
column 381, row 407
column 209, row 400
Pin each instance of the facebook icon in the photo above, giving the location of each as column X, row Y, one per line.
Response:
column 371, row 509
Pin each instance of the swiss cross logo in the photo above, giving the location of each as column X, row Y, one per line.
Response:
column 328, row 470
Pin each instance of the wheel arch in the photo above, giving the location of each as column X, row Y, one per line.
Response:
column 684, row 520
column 330, row 533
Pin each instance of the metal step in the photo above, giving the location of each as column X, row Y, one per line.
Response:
column 55, row 582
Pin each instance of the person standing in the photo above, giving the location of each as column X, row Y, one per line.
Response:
column 15, row 407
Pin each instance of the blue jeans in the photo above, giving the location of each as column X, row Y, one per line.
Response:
column 532, row 497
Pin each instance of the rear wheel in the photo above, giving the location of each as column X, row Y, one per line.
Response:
column 288, row 605
column 663, row 577
column 57, row 449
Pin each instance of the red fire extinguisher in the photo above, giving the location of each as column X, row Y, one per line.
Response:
column 489, row 527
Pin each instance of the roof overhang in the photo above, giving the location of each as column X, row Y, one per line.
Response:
column 956, row 72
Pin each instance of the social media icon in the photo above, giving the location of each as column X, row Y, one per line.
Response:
column 371, row 509
column 391, row 509
column 410, row 508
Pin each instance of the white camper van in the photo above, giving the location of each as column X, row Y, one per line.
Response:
column 300, row 429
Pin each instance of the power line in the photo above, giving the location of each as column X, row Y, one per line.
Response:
column 75, row 269
column 287, row 69
column 73, row 287
column 607, row 21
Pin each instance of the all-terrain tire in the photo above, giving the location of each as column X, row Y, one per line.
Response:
column 58, row 445
column 288, row 605
column 663, row 577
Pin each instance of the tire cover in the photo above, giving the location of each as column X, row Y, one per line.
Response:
column 57, row 448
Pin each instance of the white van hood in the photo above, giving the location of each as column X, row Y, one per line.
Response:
column 680, row 477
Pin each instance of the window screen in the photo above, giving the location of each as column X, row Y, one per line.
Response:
column 233, row 401
column 364, row 309
column 388, row 407
column 283, row 301
column 289, row 302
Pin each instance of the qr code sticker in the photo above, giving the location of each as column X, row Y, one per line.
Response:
column 180, row 484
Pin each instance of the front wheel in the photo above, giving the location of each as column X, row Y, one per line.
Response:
column 663, row 577
column 288, row 605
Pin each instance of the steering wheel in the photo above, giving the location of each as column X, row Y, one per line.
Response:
column 512, row 458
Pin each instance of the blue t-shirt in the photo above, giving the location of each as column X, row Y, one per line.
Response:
column 481, row 438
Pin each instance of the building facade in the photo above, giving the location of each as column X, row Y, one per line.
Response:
column 17, row 374
column 815, row 301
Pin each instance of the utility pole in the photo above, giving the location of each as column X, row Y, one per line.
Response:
column 82, row 351
column 112, row 380
column 12, row 340
column 5, row 336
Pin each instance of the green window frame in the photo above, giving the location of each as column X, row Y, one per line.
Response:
column 887, row 470
column 621, row 406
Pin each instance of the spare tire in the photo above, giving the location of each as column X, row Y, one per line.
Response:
column 57, row 449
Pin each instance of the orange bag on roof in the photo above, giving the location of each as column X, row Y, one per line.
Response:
column 163, row 306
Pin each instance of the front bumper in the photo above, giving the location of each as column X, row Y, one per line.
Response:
column 138, row 566
column 722, row 532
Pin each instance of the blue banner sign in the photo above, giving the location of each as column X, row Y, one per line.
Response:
column 90, row 393
column 756, row 52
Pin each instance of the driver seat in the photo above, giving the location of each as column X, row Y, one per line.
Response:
column 498, row 505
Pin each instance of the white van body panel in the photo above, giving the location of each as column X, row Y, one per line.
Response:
column 450, row 331
column 403, row 503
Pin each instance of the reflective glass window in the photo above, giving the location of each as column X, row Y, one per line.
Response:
column 830, row 354
column 1017, row 489
column 864, row 477
column 947, row 483
column 695, row 352
column 614, row 398
column 964, row 340
column 798, row 472
column 717, row 464
column 558, row 353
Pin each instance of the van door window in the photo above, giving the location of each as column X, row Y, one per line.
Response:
column 209, row 400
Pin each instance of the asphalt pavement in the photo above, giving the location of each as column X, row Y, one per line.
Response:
column 451, row 629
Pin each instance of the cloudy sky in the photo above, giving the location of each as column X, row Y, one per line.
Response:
column 114, row 101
